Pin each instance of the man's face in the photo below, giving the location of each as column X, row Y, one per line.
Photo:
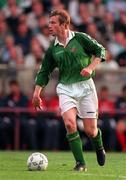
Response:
column 14, row 89
column 55, row 28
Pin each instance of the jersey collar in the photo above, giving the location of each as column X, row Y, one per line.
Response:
column 70, row 36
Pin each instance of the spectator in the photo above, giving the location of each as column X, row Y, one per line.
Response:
column 73, row 7
column 37, row 10
column 107, row 26
column 116, row 7
column 121, row 119
column 11, row 54
column 12, row 20
column 57, row 4
column 121, row 56
column 43, row 35
column 33, row 59
column 93, row 32
column 8, row 8
column 97, row 9
column 84, row 17
column 120, row 24
column 121, row 59
column 25, row 5
column 16, row 99
column 115, row 46
column 107, row 121
column 110, row 63
column 4, row 31
column 22, row 18
column 23, row 37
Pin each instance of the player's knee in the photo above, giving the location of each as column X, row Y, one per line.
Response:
column 91, row 132
column 70, row 126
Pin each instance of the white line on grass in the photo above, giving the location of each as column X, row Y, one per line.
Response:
column 105, row 175
column 122, row 177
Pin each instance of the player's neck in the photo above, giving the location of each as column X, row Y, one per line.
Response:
column 62, row 37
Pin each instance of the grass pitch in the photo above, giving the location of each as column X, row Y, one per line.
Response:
column 13, row 167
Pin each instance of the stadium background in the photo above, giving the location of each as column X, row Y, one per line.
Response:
column 24, row 39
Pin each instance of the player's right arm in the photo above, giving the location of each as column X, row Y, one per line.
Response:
column 37, row 102
column 42, row 78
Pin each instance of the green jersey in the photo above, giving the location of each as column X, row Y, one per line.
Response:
column 70, row 60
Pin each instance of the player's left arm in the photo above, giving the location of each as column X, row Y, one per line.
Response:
column 95, row 49
column 91, row 67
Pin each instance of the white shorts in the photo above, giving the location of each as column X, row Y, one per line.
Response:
column 81, row 95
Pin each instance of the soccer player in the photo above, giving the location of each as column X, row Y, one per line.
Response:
column 76, row 55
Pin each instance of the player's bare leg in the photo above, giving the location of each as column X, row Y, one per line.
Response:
column 90, row 128
column 73, row 137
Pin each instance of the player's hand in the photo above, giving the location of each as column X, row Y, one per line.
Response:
column 86, row 72
column 37, row 102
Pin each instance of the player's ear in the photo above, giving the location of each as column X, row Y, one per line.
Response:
column 64, row 25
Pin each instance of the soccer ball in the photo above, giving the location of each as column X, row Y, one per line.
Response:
column 37, row 161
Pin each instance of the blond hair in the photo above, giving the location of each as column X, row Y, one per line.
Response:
column 63, row 16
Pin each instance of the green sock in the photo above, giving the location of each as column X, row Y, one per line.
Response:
column 97, row 141
column 76, row 146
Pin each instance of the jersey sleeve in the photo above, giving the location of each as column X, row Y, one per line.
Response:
column 46, row 68
column 92, row 46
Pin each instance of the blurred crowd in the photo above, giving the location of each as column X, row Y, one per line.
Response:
column 24, row 33
column 24, row 39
